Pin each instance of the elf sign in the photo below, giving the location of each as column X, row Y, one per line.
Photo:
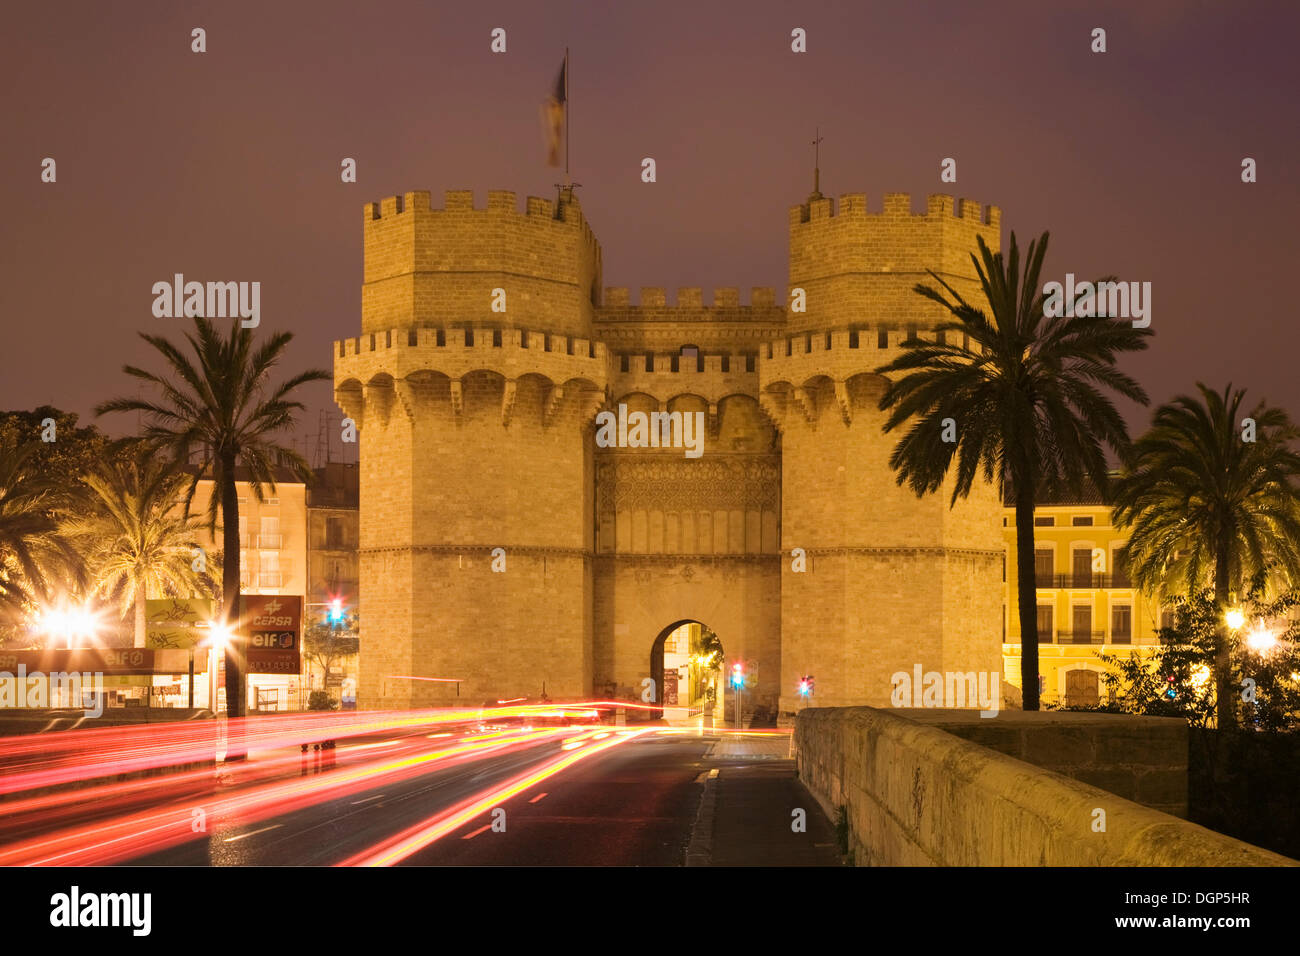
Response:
column 273, row 623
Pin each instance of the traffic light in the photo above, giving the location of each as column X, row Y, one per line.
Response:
column 805, row 686
column 738, row 675
column 336, row 610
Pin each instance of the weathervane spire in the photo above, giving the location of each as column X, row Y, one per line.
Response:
column 817, row 172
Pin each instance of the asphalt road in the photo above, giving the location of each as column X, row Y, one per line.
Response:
column 573, row 797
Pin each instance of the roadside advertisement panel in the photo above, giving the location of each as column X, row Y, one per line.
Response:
column 172, row 623
column 273, row 623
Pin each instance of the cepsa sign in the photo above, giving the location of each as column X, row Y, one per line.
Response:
column 272, row 623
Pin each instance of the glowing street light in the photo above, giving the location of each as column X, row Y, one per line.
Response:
column 1234, row 618
column 68, row 623
column 1261, row 640
column 219, row 637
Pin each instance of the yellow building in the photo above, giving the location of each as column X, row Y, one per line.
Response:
column 1086, row 603
column 272, row 560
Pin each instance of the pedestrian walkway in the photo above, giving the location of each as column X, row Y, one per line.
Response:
column 753, row 747
column 748, row 817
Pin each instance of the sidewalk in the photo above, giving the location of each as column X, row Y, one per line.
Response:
column 746, row 819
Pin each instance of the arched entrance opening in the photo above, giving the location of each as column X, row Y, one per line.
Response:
column 686, row 667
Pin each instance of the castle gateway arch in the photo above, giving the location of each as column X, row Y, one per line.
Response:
column 506, row 547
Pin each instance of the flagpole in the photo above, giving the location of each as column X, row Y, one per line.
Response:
column 567, row 180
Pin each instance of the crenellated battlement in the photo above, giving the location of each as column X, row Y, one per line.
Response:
column 863, row 347
column 476, row 340
column 427, row 265
column 853, row 262
column 853, row 207
column 500, row 202
column 656, row 297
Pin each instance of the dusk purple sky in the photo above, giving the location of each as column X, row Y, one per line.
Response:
column 225, row 165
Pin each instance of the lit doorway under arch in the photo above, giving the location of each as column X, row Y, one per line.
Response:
column 686, row 667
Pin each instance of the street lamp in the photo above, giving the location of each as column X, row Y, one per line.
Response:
column 1261, row 640
column 219, row 635
column 68, row 623
column 1234, row 618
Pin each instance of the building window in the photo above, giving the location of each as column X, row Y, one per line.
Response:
column 1044, row 522
column 649, row 361
column 882, row 339
column 1045, row 623
column 1121, row 624
column 270, row 536
column 1044, row 567
column 1081, row 568
column 749, row 363
column 334, row 533
column 1081, row 623
column 1081, row 521
column 268, row 572
column 1081, row 688
column 1119, row 565
column 623, row 362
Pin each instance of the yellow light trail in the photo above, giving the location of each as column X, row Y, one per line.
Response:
column 423, row 834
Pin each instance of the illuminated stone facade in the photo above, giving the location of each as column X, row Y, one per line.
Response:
column 487, row 348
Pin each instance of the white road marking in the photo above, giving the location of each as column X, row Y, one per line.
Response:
column 274, row 826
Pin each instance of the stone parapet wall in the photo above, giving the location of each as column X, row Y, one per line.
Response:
column 916, row 795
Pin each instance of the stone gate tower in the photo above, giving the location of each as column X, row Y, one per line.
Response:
column 474, row 438
column 477, row 434
column 891, row 581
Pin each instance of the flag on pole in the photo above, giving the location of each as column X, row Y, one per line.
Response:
column 553, row 115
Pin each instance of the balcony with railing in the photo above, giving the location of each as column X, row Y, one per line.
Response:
column 1079, row 637
column 269, row 579
column 1092, row 580
column 270, row 540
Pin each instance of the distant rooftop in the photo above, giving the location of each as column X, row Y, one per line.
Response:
column 1089, row 495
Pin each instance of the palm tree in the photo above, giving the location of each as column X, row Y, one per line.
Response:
column 221, row 404
column 1209, row 502
column 32, row 552
column 135, row 542
column 1028, row 399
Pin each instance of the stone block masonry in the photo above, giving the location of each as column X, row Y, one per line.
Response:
column 917, row 795
column 476, row 412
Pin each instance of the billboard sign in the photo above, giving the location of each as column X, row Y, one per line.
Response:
column 172, row 623
column 273, row 625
